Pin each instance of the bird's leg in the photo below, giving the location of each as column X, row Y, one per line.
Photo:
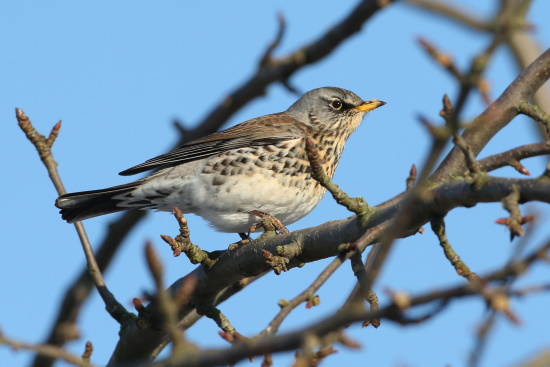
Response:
column 268, row 221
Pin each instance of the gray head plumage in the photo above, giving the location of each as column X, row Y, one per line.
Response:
column 328, row 108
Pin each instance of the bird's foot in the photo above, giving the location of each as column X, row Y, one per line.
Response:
column 268, row 223
column 245, row 238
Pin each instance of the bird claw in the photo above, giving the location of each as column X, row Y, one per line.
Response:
column 268, row 223
column 245, row 238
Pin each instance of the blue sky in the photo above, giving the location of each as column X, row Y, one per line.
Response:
column 118, row 74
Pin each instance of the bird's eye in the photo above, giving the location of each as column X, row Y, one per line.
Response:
column 336, row 104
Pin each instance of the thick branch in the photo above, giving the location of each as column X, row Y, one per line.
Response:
column 393, row 311
column 356, row 248
column 496, row 116
column 320, row 242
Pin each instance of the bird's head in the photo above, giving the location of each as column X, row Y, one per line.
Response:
column 332, row 109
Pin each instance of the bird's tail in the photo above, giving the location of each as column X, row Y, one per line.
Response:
column 88, row 204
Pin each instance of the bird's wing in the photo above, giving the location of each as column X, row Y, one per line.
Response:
column 270, row 130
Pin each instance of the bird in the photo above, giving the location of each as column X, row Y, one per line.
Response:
column 231, row 177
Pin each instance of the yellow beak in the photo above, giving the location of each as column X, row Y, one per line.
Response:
column 369, row 105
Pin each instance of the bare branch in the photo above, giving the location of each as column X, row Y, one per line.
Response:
column 536, row 114
column 267, row 58
column 167, row 306
column 525, row 49
column 49, row 351
column 511, row 204
column 462, row 17
column 64, row 327
column 392, row 311
column 443, row 59
column 513, row 156
column 346, row 252
column 438, row 227
column 182, row 243
column 321, row 242
column 482, row 335
column 475, row 173
column 496, row 116
column 354, row 205
column 43, row 146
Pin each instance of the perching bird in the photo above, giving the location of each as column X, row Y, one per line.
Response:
column 259, row 165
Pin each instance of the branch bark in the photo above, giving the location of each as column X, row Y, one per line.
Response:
column 496, row 116
column 394, row 311
column 317, row 243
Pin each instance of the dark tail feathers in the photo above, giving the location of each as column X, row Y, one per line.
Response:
column 88, row 204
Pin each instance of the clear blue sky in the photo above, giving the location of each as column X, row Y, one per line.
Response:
column 118, row 73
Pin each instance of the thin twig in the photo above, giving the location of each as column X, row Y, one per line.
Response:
column 473, row 77
column 43, row 146
column 267, row 57
column 476, row 175
column 447, row 62
column 193, row 317
column 49, row 351
column 443, row 59
column 355, row 205
column 515, row 220
column 438, row 227
column 228, row 332
column 346, row 252
column 496, row 116
column 512, row 156
column 167, row 306
column 530, row 290
column 64, row 328
column 182, row 243
column 461, row 16
column 360, row 271
column 536, row 114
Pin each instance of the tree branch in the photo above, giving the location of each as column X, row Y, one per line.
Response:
column 43, row 146
column 393, row 311
column 496, row 116
column 50, row 351
column 460, row 16
column 513, row 156
column 320, row 242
